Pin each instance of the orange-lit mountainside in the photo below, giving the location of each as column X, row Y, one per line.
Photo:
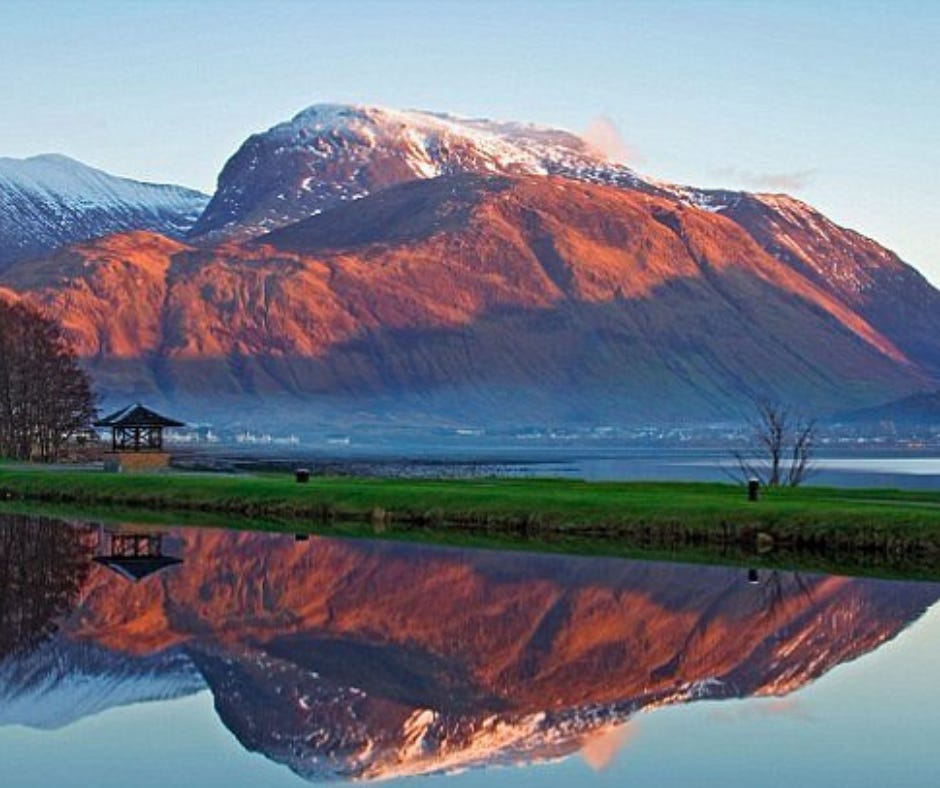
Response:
column 369, row 660
column 363, row 258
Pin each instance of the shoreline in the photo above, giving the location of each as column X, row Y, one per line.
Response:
column 833, row 529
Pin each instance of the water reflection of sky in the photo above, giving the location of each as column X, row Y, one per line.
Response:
column 285, row 634
column 870, row 722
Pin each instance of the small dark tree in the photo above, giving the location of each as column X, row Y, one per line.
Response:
column 45, row 396
column 782, row 446
column 43, row 566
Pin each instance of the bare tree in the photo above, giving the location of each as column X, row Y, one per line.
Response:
column 801, row 456
column 777, row 588
column 782, row 446
column 45, row 396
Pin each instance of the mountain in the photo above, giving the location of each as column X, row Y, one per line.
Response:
column 324, row 655
column 330, row 154
column 49, row 201
column 874, row 282
column 358, row 260
column 63, row 682
column 482, row 294
column 917, row 412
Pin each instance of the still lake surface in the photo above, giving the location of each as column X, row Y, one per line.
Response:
column 254, row 659
column 839, row 467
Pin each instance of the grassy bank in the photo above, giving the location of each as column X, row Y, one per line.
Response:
column 878, row 564
column 887, row 528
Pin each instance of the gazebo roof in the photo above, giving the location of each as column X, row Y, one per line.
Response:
column 136, row 568
column 137, row 416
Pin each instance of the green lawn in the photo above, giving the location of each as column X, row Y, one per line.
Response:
column 549, row 502
column 886, row 531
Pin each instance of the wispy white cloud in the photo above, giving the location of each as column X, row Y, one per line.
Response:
column 603, row 136
column 601, row 748
column 767, row 181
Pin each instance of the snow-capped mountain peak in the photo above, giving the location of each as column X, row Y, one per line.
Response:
column 504, row 145
column 331, row 153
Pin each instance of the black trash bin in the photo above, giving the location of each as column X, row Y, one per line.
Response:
column 302, row 475
column 753, row 489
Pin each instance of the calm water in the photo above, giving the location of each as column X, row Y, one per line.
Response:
column 261, row 660
column 843, row 467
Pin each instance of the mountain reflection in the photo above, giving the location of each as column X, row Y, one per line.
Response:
column 356, row 659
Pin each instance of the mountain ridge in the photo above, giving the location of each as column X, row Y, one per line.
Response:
column 50, row 200
column 331, row 153
column 465, row 267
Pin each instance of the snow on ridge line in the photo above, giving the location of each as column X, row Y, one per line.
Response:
column 62, row 683
column 335, row 115
column 49, row 201
column 524, row 148
column 332, row 153
column 507, row 143
column 56, row 175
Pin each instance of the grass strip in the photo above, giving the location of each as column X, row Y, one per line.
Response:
column 891, row 532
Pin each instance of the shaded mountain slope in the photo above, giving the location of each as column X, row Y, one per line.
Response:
column 890, row 295
column 591, row 300
column 917, row 411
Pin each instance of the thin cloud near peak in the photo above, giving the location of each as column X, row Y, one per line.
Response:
column 603, row 137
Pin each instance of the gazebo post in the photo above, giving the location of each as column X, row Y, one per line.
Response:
column 137, row 438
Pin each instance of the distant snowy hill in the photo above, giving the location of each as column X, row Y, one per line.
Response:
column 63, row 682
column 49, row 201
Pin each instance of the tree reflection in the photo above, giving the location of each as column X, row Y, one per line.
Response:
column 777, row 587
column 43, row 566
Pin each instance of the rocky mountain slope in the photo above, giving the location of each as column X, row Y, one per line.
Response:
column 325, row 656
column 482, row 291
column 871, row 280
column 49, row 201
column 333, row 153
column 359, row 260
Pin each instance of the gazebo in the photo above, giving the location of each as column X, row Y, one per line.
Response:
column 134, row 554
column 137, row 437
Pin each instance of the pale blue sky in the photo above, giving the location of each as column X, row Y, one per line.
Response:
column 838, row 101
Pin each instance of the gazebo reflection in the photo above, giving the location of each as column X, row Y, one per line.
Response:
column 134, row 552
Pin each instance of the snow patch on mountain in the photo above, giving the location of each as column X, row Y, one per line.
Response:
column 63, row 682
column 331, row 153
column 51, row 200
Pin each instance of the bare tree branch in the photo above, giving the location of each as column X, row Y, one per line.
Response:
column 783, row 444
